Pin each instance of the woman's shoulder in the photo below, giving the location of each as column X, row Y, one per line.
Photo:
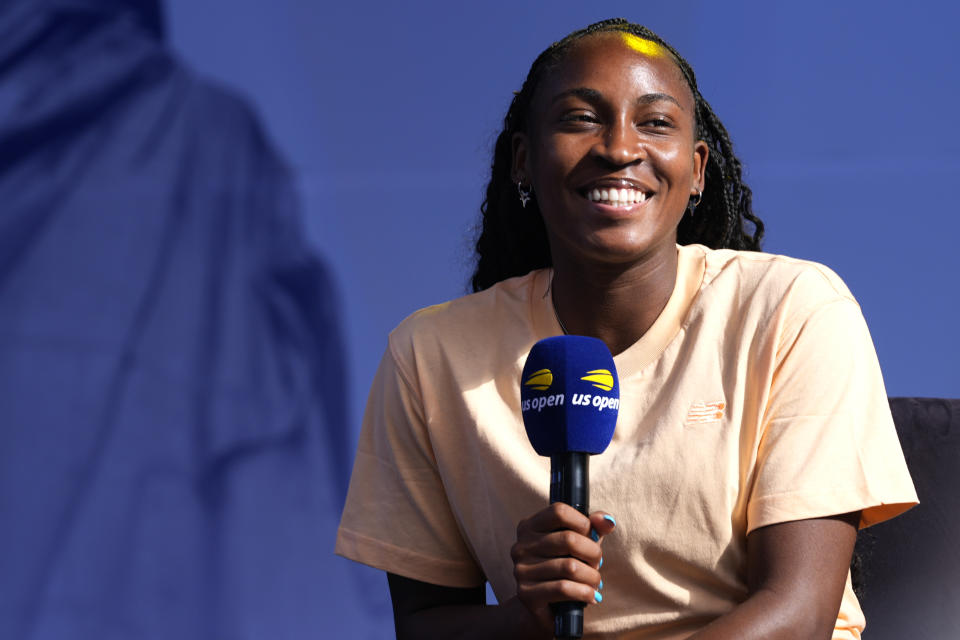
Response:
column 474, row 322
column 772, row 276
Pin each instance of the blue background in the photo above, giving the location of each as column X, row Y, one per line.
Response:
column 843, row 113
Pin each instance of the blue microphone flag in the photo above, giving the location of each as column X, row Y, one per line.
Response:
column 569, row 395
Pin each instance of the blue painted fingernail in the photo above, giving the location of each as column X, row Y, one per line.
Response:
column 601, row 562
column 594, row 536
column 610, row 518
column 600, row 586
column 597, row 597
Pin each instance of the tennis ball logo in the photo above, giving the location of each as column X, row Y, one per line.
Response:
column 540, row 380
column 600, row 378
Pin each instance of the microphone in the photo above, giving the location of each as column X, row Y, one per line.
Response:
column 569, row 398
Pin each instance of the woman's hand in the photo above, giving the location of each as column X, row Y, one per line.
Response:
column 557, row 558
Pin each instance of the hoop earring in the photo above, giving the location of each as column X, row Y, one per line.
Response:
column 524, row 194
column 696, row 202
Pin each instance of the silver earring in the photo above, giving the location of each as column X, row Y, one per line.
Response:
column 524, row 194
column 696, row 202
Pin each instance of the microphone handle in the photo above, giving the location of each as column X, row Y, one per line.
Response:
column 570, row 483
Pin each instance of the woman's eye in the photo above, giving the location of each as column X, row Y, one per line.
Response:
column 657, row 123
column 579, row 116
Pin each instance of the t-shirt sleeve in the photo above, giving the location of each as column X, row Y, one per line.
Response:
column 397, row 516
column 828, row 443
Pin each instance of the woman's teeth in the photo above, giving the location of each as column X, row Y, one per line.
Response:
column 616, row 197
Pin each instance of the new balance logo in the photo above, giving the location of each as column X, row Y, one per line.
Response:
column 701, row 412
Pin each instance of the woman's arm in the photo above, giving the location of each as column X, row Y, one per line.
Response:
column 426, row 611
column 555, row 559
column 796, row 573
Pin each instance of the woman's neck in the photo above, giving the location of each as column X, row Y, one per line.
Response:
column 617, row 303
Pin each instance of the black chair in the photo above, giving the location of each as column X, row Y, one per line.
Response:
column 910, row 566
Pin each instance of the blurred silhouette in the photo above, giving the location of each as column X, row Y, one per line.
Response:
column 172, row 428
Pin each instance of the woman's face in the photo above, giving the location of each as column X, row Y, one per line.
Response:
column 611, row 151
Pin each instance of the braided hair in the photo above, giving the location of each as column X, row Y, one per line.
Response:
column 512, row 239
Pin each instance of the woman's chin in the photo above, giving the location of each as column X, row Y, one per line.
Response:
column 625, row 250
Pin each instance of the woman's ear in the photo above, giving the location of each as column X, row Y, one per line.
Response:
column 519, row 171
column 701, row 153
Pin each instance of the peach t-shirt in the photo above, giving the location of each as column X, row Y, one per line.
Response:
column 755, row 398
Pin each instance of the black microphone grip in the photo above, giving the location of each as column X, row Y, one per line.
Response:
column 569, row 483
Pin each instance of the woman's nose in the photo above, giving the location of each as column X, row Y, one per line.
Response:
column 620, row 145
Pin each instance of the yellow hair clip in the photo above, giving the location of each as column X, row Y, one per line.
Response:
column 641, row 45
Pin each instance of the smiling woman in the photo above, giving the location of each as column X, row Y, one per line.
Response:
column 611, row 123
column 753, row 436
